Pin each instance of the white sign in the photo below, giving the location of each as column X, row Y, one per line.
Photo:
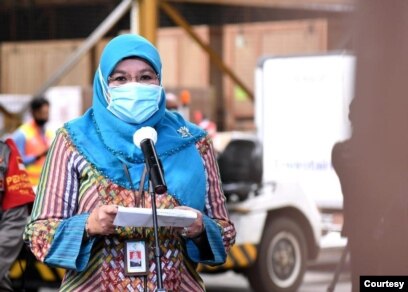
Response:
column 302, row 110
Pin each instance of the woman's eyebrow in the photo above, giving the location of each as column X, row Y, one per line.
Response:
column 119, row 71
column 149, row 70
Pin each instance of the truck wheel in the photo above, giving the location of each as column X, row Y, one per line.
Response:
column 281, row 260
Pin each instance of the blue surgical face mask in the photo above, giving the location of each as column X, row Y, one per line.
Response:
column 134, row 102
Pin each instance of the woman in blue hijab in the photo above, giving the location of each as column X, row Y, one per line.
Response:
column 93, row 167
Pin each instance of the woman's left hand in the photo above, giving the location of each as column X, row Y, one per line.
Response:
column 196, row 228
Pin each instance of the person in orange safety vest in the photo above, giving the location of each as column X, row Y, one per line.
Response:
column 33, row 140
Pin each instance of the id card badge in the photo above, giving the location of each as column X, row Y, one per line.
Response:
column 136, row 257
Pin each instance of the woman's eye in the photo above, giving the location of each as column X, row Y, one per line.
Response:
column 146, row 77
column 120, row 78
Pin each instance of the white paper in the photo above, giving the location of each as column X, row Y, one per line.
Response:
column 142, row 217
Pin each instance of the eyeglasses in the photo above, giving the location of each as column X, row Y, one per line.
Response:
column 119, row 78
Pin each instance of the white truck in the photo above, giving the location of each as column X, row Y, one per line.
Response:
column 283, row 194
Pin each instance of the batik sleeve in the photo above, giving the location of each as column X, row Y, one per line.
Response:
column 55, row 233
column 219, row 233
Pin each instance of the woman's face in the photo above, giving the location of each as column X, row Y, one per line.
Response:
column 133, row 70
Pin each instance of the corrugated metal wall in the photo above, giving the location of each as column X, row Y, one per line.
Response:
column 25, row 66
column 245, row 44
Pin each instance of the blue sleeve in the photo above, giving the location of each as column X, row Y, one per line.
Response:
column 20, row 141
column 214, row 237
column 68, row 249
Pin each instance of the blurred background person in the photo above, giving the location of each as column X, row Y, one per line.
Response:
column 201, row 120
column 172, row 101
column 373, row 164
column 33, row 139
column 16, row 194
column 185, row 100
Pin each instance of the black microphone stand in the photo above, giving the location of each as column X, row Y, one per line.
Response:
column 156, row 186
column 157, row 252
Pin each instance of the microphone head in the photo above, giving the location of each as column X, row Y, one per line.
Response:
column 143, row 134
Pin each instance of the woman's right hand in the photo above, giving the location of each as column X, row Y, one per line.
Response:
column 100, row 221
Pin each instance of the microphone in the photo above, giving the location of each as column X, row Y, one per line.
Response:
column 145, row 138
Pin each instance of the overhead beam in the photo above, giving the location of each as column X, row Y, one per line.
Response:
column 7, row 4
column 325, row 5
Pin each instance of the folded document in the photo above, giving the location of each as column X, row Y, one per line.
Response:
column 143, row 217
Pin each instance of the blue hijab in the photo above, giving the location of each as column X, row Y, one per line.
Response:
column 107, row 142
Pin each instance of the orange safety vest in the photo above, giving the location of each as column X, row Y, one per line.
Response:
column 35, row 144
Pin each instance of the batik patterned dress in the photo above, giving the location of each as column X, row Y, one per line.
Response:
column 56, row 232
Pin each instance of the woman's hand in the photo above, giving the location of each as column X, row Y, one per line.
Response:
column 100, row 221
column 196, row 228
